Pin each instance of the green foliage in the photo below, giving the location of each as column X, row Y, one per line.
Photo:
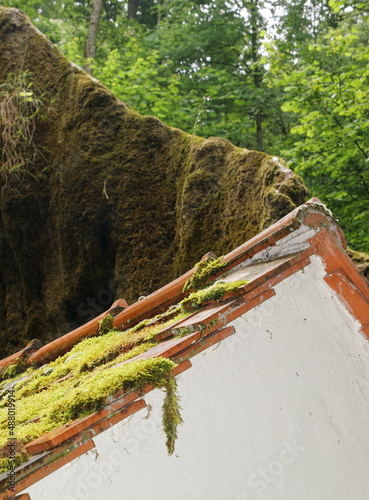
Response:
column 137, row 76
column 326, row 91
column 287, row 77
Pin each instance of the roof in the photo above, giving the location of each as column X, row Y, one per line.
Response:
column 88, row 380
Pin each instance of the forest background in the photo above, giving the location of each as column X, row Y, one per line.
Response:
column 288, row 77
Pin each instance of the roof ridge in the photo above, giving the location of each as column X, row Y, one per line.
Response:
column 172, row 293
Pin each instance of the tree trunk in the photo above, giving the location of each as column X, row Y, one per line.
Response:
column 90, row 47
column 133, row 6
column 259, row 130
column 257, row 71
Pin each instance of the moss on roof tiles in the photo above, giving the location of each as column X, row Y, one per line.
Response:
column 213, row 292
column 78, row 383
column 71, row 399
column 204, row 270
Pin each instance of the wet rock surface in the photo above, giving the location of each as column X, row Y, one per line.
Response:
column 114, row 204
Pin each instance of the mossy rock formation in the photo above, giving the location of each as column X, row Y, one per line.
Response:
column 361, row 259
column 115, row 203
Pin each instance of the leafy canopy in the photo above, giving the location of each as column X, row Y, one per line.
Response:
column 289, row 77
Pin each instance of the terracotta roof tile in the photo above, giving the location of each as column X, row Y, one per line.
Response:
column 166, row 349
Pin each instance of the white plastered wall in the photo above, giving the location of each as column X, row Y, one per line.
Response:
column 278, row 411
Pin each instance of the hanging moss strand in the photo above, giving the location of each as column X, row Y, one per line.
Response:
column 171, row 413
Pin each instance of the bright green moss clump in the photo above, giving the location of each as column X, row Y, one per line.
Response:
column 75, row 398
column 89, row 395
column 6, row 464
column 13, row 370
column 105, row 324
column 89, row 354
column 204, row 270
column 213, row 292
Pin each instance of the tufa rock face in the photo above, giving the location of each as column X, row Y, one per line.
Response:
column 115, row 204
column 361, row 259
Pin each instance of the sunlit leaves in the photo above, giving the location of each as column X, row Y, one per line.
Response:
column 326, row 93
column 193, row 63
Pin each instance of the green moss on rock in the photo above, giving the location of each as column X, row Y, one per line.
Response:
column 361, row 259
column 121, row 203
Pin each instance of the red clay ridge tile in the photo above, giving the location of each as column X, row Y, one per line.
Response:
column 63, row 344
column 172, row 293
column 365, row 330
column 205, row 343
column 348, row 292
column 272, row 234
column 165, row 349
column 32, row 346
column 54, row 438
column 166, row 332
column 249, row 304
column 198, row 320
column 334, row 257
